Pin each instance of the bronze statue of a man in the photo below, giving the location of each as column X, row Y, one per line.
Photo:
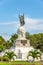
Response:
column 22, row 22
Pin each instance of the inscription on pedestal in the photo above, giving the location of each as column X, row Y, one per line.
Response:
column 23, row 42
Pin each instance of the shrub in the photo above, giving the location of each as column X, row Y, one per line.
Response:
column 5, row 58
column 0, row 58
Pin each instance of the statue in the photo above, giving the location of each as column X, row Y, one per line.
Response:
column 21, row 30
column 22, row 22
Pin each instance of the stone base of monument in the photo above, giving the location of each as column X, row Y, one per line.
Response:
column 22, row 52
column 22, row 47
column 22, row 43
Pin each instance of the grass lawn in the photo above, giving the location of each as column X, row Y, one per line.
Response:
column 21, row 63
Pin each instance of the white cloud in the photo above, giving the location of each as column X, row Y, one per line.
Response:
column 34, row 24
column 31, row 25
column 9, row 23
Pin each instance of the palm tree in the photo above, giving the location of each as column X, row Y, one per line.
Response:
column 10, row 55
column 35, row 54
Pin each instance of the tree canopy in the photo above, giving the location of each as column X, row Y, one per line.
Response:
column 36, row 40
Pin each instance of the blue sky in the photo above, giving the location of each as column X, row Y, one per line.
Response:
column 10, row 9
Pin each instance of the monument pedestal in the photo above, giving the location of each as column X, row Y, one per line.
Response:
column 22, row 45
column 22, row 52
column 22, row 41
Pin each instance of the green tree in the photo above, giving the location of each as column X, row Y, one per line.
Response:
column 2, row 48
column 34, row 54
column 40, row 46
column 27, row 35
column 13, row 37
column 2, row 40
column 36, row 40
column 10, row 55
column 8, row 44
